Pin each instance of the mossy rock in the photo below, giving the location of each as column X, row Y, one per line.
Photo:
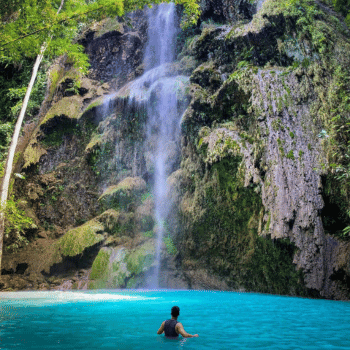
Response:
column 117, row 222
column 106, row 26
column 219, row 144
column 94, row 144
column 109, row 269
column 206, row 75
column 32, row 154
column 58, row 75
column 95, row 104
column 189, row 46
column 199, row 113
column 94, row 110
column 75, row 241
column 206, row 42
column 100, row 265
column 141, row 259
column 69, row 108
column 187, row 65
column 220, row 223
column 144, row 214
column 119, row 267
column 134, row 282
column 110, row 219
column 146, row 223
column 126, row 193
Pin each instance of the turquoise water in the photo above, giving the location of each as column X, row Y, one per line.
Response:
column 130, row 319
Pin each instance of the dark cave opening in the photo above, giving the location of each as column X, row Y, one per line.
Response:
column 335, row 216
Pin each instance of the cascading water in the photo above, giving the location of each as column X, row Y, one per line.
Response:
column 163, row 125
column 158, row 89
column 161, row 36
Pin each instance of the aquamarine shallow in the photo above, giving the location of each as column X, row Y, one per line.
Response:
column 129, row 320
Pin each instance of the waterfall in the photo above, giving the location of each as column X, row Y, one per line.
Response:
column 157, row 90
column 162, row 93
column 163, row 129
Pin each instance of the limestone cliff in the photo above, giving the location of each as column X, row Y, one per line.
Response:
column 259, row 193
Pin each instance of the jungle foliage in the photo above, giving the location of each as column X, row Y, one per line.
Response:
column 25, row 25
column 343, row 6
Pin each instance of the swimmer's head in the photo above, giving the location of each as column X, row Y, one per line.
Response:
column 175, row 311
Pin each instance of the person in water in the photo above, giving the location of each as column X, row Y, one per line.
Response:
column 172, row 328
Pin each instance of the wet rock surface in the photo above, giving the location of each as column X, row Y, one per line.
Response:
column 117, row 49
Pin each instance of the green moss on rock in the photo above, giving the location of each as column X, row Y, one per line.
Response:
column 32, row 154
column 187, row 65
column 99, row 267
column 220, row 223
column 206, row 75
column 68, row 107
column 119, row 267
column 144, row 214
column 219, row 144
column 110, row 219
column 141, row 258
column 134, row 282
column 93, row 105
column 109, row 269
column 126, row 193
column 75, row 241
column 95, row 143
column 106, row 26
column 117, row 223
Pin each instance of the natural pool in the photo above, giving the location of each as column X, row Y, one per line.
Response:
column 130, row 319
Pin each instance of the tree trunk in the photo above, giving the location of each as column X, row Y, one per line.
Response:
column 11, row 153
column 14, row 141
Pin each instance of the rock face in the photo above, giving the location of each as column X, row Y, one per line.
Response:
column 258, row 202
column 116, row 50
column 227, row 11
column 270, row 127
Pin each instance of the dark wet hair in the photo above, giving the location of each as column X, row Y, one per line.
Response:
column 175, row 311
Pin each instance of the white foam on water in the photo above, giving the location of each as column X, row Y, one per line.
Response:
column 59, row 297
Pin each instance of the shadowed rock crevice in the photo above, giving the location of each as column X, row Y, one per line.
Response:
column 70, row 264
column 342, row 277
column 20, row 270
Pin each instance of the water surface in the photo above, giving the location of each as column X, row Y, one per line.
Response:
column 130, row 319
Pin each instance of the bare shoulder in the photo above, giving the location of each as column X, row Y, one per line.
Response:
column 161, row 328
column 179, row 325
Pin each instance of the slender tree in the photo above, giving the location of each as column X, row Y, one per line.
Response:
column 14, row 141
column 30, row 27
